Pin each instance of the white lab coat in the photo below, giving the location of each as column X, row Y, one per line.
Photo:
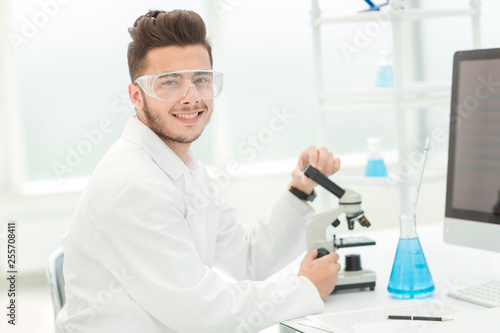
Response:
column 144, row 239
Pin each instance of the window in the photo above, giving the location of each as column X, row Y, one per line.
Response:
column 66, row 95
column 71, row 77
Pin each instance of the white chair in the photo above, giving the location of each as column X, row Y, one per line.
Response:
column 55, row 279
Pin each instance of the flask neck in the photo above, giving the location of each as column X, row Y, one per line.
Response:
column 408, row 227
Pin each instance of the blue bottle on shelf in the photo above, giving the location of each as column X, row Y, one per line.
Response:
column 385, row 73
column 410, row 276
column 375, row 166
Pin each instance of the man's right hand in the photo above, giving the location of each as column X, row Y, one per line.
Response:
column 322, row 272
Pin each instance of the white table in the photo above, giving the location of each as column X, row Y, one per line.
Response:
column 450, row 266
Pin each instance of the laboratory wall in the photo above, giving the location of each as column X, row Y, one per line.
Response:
column 64, row 85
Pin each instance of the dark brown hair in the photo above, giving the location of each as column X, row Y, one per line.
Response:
column 159, row 28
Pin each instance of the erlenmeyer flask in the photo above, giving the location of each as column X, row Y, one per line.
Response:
column 410, row 276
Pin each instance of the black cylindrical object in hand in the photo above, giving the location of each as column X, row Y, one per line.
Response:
column 322, row 252
column 322, row 180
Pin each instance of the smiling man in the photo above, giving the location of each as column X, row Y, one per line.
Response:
column 147, row 234
column 177, row 113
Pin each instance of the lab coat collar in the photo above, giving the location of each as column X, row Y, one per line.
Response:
column 135, row 131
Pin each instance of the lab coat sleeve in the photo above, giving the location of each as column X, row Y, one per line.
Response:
column 259, row 249
column 146, row 236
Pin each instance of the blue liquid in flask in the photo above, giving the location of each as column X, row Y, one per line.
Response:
column 375, row 168
column 410, row 276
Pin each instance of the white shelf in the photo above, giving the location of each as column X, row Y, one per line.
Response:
column 404, row 96
column 409, row 89
column 357, row 178
column 418, row 102
column 405, row 14
column 413, row 95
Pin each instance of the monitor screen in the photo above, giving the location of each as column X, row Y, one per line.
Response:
column 474, row 176
column 473, row 187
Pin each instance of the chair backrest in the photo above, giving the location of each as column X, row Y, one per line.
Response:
column 55, row 279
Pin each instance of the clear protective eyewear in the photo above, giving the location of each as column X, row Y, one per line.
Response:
column 173, row 86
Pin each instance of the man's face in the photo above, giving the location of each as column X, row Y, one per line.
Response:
column 181, row 121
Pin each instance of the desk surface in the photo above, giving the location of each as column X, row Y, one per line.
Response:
column 451, row 266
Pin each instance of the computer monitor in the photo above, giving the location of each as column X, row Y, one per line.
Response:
column 472, row 215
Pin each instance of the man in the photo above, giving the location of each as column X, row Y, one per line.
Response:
column 146, row 233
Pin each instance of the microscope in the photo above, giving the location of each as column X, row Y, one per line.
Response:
column 352, row 276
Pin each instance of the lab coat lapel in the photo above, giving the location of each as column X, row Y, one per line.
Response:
column 187, row 177
column 135, row 131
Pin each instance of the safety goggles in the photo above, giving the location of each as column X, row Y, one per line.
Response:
column 173, row 86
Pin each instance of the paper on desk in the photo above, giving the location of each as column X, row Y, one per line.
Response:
column 308, row 323
column 484, row 321
column 342, row 322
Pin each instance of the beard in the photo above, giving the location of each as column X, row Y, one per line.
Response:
column 158, row 127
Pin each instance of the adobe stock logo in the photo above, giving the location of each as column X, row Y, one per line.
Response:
column 31, row 27
column 224, row 6
column 74, row 155
column 250, row 147
column 261, row 311
column 85, row 147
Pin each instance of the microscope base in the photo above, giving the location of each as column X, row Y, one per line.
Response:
column 356, row 280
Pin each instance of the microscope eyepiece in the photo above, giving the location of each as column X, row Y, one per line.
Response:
column 322, row 180
column 351, row 199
